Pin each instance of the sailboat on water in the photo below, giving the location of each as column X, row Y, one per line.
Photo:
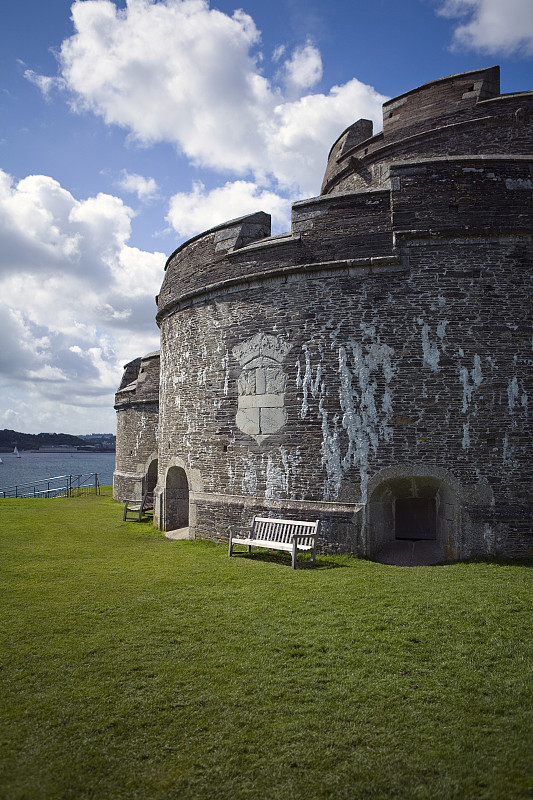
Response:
column 16, row 453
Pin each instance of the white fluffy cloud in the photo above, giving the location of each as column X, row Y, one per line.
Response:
column 200, row 210
column 172, row 71
column 304, row 68
column 492, row 26
column 44, row 229
column 144, row 188
column 179, row 71
column 81, row 300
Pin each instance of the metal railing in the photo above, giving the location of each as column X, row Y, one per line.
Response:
column 59, row 486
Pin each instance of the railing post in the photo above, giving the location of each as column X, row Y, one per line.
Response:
column 69, row 485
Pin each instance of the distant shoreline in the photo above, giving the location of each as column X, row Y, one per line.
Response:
column 50, row 452
column 56, row 442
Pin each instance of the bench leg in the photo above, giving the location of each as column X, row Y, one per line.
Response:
column 294, row 552
column 230, row 547
column 249, row 548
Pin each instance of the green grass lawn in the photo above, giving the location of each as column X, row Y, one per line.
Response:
column 135, row 667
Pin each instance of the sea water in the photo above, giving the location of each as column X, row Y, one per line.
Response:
column 36, row 466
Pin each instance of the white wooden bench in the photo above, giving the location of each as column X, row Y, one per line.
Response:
column 138, row 508
column 280, row 534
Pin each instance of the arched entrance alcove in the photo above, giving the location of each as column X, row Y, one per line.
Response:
column 176, row 499
column 150, row 479
column 413, row 517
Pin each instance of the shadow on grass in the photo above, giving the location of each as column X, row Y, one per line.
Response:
column 144, row 521
column 523, row 563
column 284, row 560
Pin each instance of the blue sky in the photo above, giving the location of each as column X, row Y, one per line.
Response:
column 128, row 127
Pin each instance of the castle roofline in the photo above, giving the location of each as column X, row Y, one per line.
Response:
column 458, row 114
column 135, row 362
column 258, row 216
column 491, row 88
column 485, row 72
column 507, row 96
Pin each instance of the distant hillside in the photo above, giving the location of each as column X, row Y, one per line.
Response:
column 33, row 441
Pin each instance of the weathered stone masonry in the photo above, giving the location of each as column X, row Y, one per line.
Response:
column 137, row 406
column 371, row 368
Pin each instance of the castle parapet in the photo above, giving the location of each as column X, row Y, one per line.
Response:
column 454, row 116
column 140, row 382
column 444, row 196
column 439, row 102
column 137, row 406
column 196, row 263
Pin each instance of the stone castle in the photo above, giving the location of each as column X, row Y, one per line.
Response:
column 372, row 368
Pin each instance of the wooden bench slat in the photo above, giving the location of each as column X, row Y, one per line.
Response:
column 280, row 534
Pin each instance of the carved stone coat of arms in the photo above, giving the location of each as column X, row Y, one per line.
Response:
column 261, row 384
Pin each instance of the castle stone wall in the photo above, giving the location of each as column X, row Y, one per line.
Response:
column 374, row 364
column 383, row 369
column 137, row 406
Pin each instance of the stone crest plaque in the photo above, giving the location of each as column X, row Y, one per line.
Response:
column 261, row 385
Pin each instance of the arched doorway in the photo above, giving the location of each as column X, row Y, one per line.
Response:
column 151, row 477
column 413, row 519
column 176, row 499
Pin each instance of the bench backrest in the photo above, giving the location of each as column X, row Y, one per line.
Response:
column 280, row 530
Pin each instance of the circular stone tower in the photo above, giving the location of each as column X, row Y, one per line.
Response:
column 371, row 368
column 137, row 407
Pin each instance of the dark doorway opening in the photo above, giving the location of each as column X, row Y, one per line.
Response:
column 151, row 477
column 176, row 499
column 415, row 518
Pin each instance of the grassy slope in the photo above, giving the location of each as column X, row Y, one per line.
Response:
column 134, row 667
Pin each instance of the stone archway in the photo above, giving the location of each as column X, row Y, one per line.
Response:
column 150, row 480
column 413, row 517
column 176, row 499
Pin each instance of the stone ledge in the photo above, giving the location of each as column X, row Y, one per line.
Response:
column 377, row 265
column 314, row 506
column 419, row 238
column 344, row 171
column 325, row 199
column 264, row 244
column 132, row 402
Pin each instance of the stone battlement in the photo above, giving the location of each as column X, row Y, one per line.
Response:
column 460, row 195
column 458, row 115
